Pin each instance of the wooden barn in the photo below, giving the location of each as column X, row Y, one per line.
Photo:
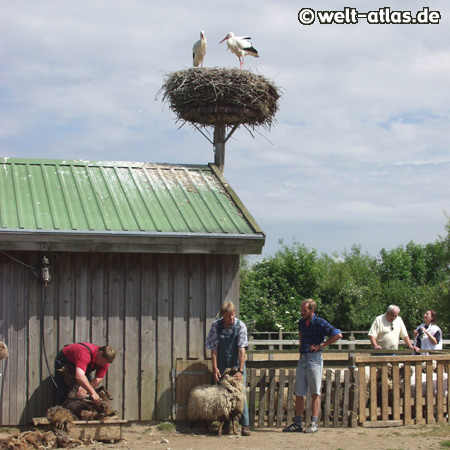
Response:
column 137, row 256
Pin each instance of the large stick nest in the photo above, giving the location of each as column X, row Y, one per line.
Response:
column 207, row 96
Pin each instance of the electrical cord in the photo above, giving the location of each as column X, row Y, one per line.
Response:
column 44, row 298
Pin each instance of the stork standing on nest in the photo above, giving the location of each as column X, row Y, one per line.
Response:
column 199, row 50
column 240, row 46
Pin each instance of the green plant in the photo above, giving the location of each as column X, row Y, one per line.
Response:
column 166, row 427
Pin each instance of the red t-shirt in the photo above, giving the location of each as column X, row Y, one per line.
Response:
column 80, row 356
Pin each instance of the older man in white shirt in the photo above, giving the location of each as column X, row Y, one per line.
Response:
column 387, row 330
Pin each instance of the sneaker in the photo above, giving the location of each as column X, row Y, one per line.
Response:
column 313, row 428
column 293, row 428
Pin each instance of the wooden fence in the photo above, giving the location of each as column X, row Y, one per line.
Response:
column 403, row 390
column 373, row 391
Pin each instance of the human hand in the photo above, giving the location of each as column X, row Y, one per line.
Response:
column 216, row 374
column 81, row 392
column 239, row 376
column 95, row 398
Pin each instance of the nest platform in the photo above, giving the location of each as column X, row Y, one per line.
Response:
column 208, row 96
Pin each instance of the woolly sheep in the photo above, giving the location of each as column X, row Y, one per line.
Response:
column 217, row 403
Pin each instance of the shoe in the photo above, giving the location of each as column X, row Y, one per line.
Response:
column 294, row 428
column 313, row 428
column 245, row 431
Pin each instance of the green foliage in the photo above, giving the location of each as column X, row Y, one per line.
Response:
column 351, row 289
column 272, row 290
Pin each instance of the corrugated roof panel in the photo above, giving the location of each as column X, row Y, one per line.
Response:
column 118, row 197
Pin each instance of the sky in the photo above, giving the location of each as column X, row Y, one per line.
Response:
column 359, row 154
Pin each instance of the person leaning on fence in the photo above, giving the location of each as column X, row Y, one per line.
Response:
column 387, row 329
column 312, row 331
column 227, row 340
column 87, row 358
column 428, row 336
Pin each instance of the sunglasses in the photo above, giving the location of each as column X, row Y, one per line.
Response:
column 392, row 327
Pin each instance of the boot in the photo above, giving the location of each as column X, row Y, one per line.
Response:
column 245, row 431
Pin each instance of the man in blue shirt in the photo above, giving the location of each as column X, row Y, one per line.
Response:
column 312, row 331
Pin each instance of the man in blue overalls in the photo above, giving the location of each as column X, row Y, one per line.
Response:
column 227, row 341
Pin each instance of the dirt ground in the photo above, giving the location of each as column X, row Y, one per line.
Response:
column 141, row 436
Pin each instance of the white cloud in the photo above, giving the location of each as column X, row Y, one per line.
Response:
column 359, row 151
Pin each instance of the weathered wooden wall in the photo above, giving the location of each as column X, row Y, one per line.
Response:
column 152, row 308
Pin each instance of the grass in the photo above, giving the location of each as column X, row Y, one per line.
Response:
column 166, row 427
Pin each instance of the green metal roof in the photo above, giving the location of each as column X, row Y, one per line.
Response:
column 118, row 199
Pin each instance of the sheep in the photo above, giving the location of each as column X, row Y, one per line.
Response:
column 221, row 403
column 83, row 408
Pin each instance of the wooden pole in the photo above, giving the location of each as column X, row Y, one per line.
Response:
column 219, row 145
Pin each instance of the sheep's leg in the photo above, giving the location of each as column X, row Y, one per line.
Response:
column 219, row 433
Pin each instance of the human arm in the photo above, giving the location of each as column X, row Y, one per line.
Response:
column 407, row 341
column 330, row 341
column 241, row 358
column 431, row 338
column 86, row 386
column 374, row 343
column 216, row 371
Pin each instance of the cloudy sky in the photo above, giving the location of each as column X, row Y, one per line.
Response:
column 359, row 153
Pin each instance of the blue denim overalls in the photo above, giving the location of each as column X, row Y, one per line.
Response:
column 228, row 356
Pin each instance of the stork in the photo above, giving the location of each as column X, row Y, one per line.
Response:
column 199, row 50
column 240, row 46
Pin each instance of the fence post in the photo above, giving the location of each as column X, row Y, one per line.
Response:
column 354, row 392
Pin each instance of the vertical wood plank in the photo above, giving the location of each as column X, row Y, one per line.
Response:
column 99, row 312
column 115, row 377
column 362, row 392
column 281, row 398
column 354, row 414
column 252, row 397
column 373, row 393
column 384, row 392
column 419, row 393
column 271, row 399
column 149, row 289
column 337, row 403
column 197, row 294
column 262, row 398
column 82, row 312
column 346, row 399
column 164, row 333
column 22, row 315
column 440, row 392
column 396, row 391
column 180, row 308
column 34, row 347
column 131, row 376
column 213, row 293
column 327, row 403
column 429, row 393
column 407, row 395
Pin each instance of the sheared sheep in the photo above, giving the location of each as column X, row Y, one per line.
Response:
column 84, row 408
column 224, row 402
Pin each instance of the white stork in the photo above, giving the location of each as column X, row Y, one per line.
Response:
column 199, row 50
column 240, row 46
